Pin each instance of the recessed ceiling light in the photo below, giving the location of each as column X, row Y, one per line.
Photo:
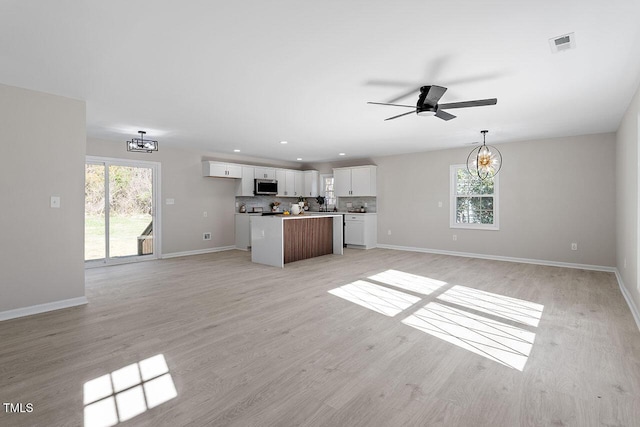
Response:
column 341, row 154
column 299, row 158
column 283, row 142
column 236, row 151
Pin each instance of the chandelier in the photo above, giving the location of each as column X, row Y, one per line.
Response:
column 142, row 145
column 484, row 161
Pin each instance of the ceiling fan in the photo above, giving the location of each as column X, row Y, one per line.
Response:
column 428, row 104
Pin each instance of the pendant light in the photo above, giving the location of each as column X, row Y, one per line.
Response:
column 484, row 161
column 142, row 145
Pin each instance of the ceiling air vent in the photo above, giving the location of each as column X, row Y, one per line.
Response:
column 564, row 42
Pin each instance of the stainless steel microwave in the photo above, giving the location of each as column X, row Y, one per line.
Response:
column 265, row 186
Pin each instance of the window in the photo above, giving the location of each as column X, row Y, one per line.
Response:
column 474, row 202
column 326, row 190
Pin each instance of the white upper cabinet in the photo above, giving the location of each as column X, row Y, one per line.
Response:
column 293, row 183
column 244, row 187
column 221, row 170
column 355, row 181
column 265, row 173
column 311, row 179
column 363, row 181
column 281, row 177
column 298, row 184
column 342, row 182
column 290, row 183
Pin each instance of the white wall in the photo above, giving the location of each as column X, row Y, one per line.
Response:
column 183, row 223
column 42, row 149
column 552, row 193
column 627, row 139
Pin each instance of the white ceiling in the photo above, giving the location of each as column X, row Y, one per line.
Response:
column 245, row 75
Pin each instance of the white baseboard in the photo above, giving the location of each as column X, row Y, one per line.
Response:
column 42, row 308
column 198, row 252
column 502, row 258
column 632, row 306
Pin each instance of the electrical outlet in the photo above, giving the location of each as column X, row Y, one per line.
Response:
column 455, row 237
column 439, row 204
column 206, row 236
column 55, row 201
column 574, row 246
column 171, row 201
column 204, row 214
column 388, row 232
column 349, row 204
column 366, row 205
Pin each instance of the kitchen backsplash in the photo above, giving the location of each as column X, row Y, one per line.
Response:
column 264, row 202
column 357, row 202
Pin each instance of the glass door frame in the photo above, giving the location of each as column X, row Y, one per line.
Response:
column 155, row 209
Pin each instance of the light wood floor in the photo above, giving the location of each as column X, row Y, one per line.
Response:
column 251, row 345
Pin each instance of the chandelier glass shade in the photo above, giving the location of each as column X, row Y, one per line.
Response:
column 484, row 161
column 142, row 145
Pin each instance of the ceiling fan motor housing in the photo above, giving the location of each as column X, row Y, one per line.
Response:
column 426, row 110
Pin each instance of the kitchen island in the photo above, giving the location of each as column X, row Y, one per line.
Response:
column 280, row 239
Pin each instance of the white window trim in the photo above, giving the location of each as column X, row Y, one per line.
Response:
column 322, row 191
column 452, row 203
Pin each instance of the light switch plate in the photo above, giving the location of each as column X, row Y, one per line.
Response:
column 171, row 201
column 55, row 201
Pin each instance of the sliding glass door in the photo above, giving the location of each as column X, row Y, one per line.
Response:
column 120, row 210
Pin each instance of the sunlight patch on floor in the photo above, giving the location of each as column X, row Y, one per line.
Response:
column 374, row 297
column 127, row 392
column 407, row 281
column 514, row 309
column 502, row 343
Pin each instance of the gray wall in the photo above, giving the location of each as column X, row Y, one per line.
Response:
column 183, row 223
column 627, row 139
column 552, row 193
column 42, row 148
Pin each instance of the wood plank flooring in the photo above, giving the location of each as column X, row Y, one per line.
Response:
column 252, row 345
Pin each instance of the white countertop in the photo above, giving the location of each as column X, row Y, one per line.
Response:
column 303, row 216
column 314, row 213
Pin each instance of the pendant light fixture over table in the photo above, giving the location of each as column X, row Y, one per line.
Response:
column 484, row 161
column 142, row 145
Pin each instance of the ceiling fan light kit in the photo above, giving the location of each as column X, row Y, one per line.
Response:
column 484, row 161
column 141, row 145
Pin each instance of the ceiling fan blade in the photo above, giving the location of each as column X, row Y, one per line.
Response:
column 390, row 83
column 404, row 95
column 465, row 104
column 434, row 95
column 399, row 115
column 444, row 115
column 472, row 79
column 393, row 105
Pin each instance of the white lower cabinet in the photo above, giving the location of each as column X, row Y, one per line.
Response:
column 361, row 230
column 243, row 230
